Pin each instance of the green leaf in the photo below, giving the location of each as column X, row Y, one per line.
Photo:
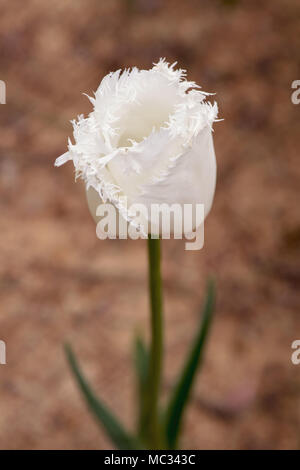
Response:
column 141, row 360
column 179, row 398
column 113, row 428
column 141, row 356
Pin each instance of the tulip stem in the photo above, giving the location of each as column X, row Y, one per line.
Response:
column 155, row 365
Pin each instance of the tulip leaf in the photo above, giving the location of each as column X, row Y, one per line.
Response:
column 179, row 398
column 113, row 428
column 141, row 359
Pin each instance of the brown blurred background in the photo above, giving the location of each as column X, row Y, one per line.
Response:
column 58, row 282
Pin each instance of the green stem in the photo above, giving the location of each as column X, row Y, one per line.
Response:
column 155, row 365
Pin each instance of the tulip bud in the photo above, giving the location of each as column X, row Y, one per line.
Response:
column 147, row 142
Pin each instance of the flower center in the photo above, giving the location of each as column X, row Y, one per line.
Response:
column 149, row 112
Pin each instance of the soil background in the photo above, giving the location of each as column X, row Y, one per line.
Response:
column 59, row 283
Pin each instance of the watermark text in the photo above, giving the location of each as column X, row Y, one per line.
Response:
column 295, row 97
column 295, row 357
column 2, row 352
column 2, row 92
column 165, row 221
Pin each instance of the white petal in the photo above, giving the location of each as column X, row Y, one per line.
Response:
column 62, row 159
column 191, row 180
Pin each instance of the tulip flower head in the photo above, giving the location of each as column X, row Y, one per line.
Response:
column 147, row 141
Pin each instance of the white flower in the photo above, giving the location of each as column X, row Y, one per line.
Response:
column 148, row 138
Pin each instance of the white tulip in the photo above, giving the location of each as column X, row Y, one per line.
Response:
column 147, row 141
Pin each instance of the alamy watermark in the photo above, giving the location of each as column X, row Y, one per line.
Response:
column 295, row 96
column 178, row 221
column 2, row 352
column 295, row 357
column 2, row 92
column 2, row 343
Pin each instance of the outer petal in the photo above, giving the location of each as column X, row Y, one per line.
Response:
column 190, row 180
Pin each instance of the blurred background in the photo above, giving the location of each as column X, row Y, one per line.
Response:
column 59, row 283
